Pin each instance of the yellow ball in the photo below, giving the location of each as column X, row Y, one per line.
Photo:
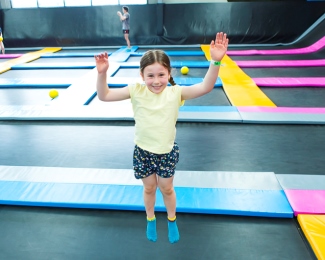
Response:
column 1, row 38
column 53, row 93
column 184, row 70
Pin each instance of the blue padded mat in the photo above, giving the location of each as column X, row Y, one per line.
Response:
column 63, row 65
column 67, row 55
column 264, row 203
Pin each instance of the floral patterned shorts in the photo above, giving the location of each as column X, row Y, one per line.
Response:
column 146, row 163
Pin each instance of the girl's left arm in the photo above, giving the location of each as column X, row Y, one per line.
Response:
column 218, row 49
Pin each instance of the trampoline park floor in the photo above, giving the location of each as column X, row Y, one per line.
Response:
column 31, row 232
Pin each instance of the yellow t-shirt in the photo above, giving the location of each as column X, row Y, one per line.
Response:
column 155, row 117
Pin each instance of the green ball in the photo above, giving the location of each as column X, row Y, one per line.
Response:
column 184, row 70
column 53, row 93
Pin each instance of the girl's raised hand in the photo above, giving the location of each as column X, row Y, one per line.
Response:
column 218, row 47
column 102, row 62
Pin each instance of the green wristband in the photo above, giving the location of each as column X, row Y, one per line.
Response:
column 216, row 63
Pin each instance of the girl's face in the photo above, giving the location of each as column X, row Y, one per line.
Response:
column 156, row 77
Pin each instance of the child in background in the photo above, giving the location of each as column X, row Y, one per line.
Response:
column 1, row 42
column 125, row 19
column 155, row 108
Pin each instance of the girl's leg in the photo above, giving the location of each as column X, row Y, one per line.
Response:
column 126, row 37
column 167, row 189
column 149, row 195
column 2, row 47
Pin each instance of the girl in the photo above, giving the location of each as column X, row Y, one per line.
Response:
column 155, row 108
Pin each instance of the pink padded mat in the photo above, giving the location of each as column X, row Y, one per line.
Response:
column 306, row 201
column 280, row 63
column 9, row 56
column 290, row 82
column 302, row 110
column 312, row 48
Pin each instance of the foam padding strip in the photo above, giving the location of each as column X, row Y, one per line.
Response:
column 208, row 109
column 301, row 181
column 122, row 55
column 293, row 110
column 9, row 56
column 240, row 89
column 190, row 64
column 129, row 197
column 63, row 65
column 282, row 115
column 5, row 66
column 67, row 55
column 310, row 49
column 313, row 227
column 83, row 90
column 280, row 63
column 306, row 201
column 174, row 64
column 191, row 179
column 36, row 82
column 290, row 82
column 124, row 81
column 174, row 53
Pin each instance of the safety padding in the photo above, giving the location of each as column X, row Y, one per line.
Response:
column 280, row 63
column 240, row 90
column 55, row 65
column 10, row 56
column 306, row 201
column 290, row 82
column 310, row 49
column 280, row 115
column 5, row 66
column 313, row 227
column 234, row 193
column 71, row 55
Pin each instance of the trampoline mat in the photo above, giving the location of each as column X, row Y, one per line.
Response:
column 39, row 233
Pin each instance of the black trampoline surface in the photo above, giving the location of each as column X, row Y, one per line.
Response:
column 282, row 149
column 285, row 72
column 296, row 97
column 58, row 233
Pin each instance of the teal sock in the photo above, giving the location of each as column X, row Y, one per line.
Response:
column 173, row 234
column 151, row 230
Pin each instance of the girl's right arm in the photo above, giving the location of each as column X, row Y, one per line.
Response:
column 105, row 93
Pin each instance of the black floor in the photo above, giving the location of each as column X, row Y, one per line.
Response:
column 55, row 233
column 282, row 149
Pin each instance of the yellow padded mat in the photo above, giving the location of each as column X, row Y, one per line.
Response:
column 5, row 66
column 313, row 227
column 240, row 89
